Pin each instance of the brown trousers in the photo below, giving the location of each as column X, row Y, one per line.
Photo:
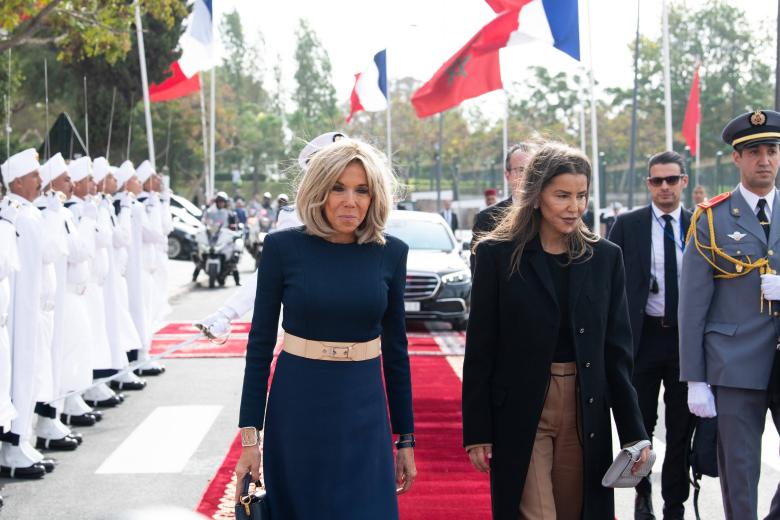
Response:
column 553, row 485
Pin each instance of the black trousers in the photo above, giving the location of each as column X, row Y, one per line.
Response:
column 658, row 361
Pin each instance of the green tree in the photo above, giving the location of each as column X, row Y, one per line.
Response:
column 79, row 28
column 314, row 96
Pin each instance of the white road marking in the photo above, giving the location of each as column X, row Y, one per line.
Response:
column 163, row 442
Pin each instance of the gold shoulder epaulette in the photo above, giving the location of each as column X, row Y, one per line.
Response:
column 714, row 201
column 711, row 253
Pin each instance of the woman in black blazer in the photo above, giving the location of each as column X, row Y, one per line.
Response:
column 548, row 352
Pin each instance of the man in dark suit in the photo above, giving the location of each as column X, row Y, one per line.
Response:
column 516, row 160
column 449, row 215
column 652, row 239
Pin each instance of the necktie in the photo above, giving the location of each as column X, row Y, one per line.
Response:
column 762, row 218
column 670, row 273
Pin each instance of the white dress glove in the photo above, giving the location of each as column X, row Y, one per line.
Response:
column 770, row 285
column 218, row 324
column 701, row 402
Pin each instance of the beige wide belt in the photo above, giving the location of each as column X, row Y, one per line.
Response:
column 331, row 350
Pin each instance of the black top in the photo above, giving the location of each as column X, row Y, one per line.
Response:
column 559, row 271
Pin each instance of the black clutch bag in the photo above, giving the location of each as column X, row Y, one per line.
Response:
column 252, row 506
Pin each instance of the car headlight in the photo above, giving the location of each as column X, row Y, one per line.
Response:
column 457, row 277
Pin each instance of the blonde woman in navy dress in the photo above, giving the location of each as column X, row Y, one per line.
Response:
column 327, row 443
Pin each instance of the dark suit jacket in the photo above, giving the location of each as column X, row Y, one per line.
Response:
column 454, row 224
column 487, row 220
column 510, row 343
column 632, row 231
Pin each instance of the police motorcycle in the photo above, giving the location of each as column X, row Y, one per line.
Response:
column 220, row 244
column 258, row 226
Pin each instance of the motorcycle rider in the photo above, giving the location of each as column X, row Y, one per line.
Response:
column 220, row 213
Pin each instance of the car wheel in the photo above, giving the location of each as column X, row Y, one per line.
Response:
column 459, row 325
column 174, row 247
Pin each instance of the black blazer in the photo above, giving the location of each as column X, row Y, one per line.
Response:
column 632, row 231
column 454, row 224
column 487, row 220
column 511, row 339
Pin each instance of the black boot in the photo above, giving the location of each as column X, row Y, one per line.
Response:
column 643, row 507
column 195, row 274
column 237, row 278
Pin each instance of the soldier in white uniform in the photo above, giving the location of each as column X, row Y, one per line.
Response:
column 153, row 240
column 123, row 332
column 18, row 459
column 85, row 336
column 127, row 205
column 9, row 263
column 112, row 356
column 58, row 225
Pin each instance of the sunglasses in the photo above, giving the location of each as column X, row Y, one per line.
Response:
column 671, row 180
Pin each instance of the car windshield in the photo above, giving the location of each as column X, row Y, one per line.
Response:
column 421, row 234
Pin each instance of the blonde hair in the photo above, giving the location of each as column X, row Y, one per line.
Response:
column 520, row 224
column 322, row 173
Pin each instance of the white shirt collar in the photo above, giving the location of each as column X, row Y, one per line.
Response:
column 659, row 213
column 18, row 199
column 752, row 199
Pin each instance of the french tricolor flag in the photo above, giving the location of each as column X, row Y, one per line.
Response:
column 370, row 90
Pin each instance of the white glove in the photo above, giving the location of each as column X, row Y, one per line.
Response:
column 770, row 285
column 53, row 202
column 89, row 210
column 218, row 324
column 701, row 402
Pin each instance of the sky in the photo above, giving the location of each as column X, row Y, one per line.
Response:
column 420, row 35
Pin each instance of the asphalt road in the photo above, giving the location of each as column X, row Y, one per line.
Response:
column 163, row 445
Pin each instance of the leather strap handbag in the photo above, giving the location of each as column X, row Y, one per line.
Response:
column 619, row 473
column 252, row 506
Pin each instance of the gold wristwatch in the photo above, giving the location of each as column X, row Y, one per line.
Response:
column 249, row 436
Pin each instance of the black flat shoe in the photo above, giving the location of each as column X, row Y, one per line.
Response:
column 121, row 397
column 78, row 420
column 64, row 444
column 105, row 403
column 76, row 436
column 149, row 371
column 48, row 464
column 30, row 472
column 97, row 414
column 131, row 385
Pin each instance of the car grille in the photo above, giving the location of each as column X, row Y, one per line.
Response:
column 420, row 286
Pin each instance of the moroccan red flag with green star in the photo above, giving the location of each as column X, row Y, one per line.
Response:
column 472, row 71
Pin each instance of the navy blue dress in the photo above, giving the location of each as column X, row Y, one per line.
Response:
column 327, row 442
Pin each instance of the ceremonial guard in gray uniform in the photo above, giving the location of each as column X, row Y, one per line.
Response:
column 729, row 309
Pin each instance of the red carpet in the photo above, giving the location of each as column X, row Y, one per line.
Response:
column 447, row 487
column 177, row 332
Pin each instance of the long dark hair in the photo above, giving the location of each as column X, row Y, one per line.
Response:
column 521, row 222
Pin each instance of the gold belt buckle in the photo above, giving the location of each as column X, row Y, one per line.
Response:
column 336, row 351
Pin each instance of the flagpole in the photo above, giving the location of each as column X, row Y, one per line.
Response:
column 206, row 178
column 144, row 81
column 389, row 116
column 667, row 78
column 698, row 152
column 594, row 135
column 505, row 140
column 213, row 124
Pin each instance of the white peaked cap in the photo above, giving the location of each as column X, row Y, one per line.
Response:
column 53, row 168
column 79, row 169
column 317, row 144
column 100, row 168
column 19, row 165
column 126, row 170
column 144, row 171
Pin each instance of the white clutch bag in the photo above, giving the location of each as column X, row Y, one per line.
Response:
column 619, row 473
